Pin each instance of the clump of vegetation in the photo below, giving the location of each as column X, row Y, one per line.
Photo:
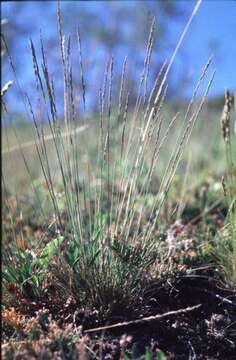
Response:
column 114, row 248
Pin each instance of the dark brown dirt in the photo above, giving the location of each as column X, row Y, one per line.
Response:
column 208, row 332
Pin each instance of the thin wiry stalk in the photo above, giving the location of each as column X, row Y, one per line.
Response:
column 166, row 73
column 164, row 190
column 175, row 157
column 142, row 79
column 24, row 96
column 144, row 74
column 129, row 143
column 121, row 93
column 63, row 58
column 132, row 126
column 148, row 59
column 72, row 99
column 155, row 125
column 142, row 143
column 81, row 68
column 75, row 163
column 60, row 150
column 125, row 117
column 154, row 89
column 37, row 75
column 189, row 108
column 72, row 173
column 108, row 134
column 102, row 150
column 139, row 166
column 53, row 110
column 195, row 10
column 155, row 156
column 47, row 169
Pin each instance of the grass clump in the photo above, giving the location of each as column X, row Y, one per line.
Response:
column 107, row 238
column 120, row 245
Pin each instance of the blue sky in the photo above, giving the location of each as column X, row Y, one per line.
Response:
column 215, row 23
column 213, row 31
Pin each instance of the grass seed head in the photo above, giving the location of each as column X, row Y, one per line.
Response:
column 225, row 118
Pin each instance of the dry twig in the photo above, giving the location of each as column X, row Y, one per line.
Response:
column 144, row 320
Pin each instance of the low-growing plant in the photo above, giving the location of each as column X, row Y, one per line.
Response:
column 24, row 268
column 148, row 356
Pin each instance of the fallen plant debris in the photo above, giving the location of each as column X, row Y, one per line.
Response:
column 142, row 320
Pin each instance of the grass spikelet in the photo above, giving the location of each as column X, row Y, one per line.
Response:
column 225, row 118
